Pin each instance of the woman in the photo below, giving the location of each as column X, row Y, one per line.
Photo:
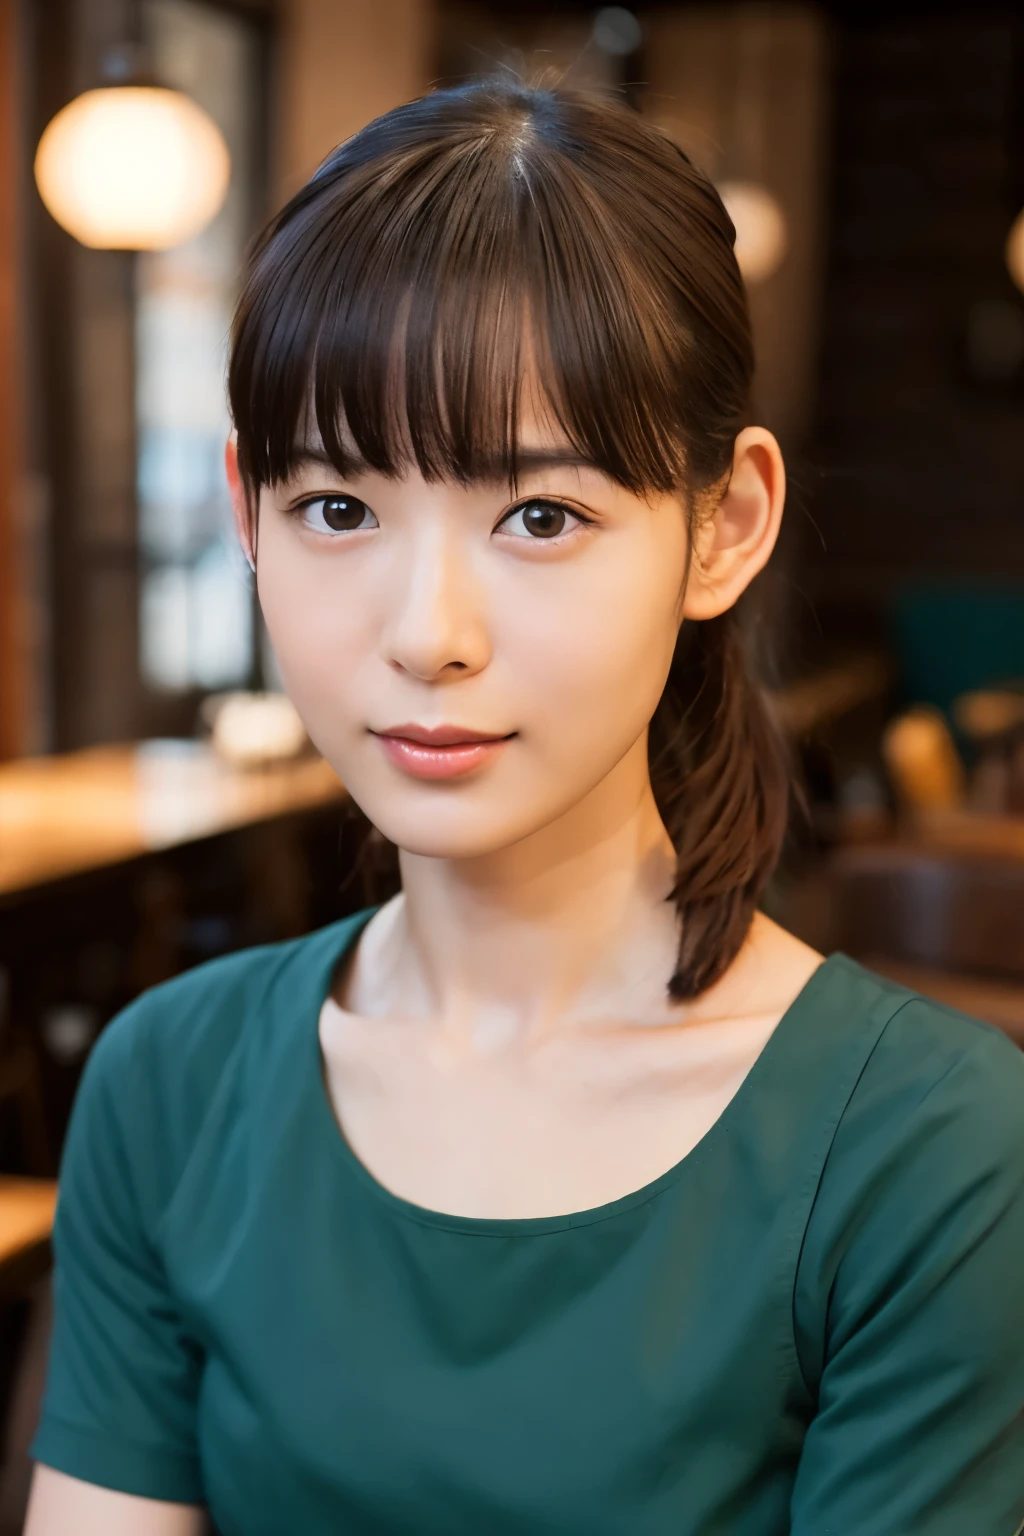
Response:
column 564, row 1192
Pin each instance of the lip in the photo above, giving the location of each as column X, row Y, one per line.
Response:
column 441, row 735
column 439, row 751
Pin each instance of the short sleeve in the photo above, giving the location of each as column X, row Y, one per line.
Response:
column 910, row 1298
column 120, row 1402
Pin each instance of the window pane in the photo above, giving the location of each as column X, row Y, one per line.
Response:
column 184, row 298
column 164, row 627
column 221, row 619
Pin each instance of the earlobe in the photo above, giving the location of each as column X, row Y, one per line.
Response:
column 239, row 500
column 735, row 542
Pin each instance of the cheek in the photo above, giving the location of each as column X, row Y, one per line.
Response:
column 600, row 651
column 316, row 634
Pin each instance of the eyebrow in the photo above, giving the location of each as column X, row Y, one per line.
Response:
column 526, row 459
column 552, row 458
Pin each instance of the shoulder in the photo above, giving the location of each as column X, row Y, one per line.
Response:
column 907, row 1316
column 931, row 1146
column 925, row 1171
column 197, row 1018
column 160, row 1064
column 896, row 1058
column 896, row 1090
column 933, row 1074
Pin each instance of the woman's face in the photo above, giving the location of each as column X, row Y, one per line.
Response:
column 546, row 620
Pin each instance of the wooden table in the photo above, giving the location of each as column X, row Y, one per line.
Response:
column 120, row 867
column 84, row 810
column 967, row 832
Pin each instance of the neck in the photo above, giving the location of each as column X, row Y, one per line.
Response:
column 571, row 922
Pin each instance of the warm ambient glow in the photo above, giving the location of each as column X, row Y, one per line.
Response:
column 132, row 168
column 761, row 235
column 1015, row 250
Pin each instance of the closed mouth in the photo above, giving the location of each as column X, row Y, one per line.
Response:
column 442, row 735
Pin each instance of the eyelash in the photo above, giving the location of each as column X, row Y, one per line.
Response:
column 520, row 506
column 546, row 501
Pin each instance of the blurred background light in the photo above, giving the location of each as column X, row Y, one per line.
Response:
column 1015, row 250
column 761, row 234
column 617, row 31
column 132, row 167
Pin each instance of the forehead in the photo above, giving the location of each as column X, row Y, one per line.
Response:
column 541, row 443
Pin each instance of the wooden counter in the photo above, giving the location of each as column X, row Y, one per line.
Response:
column 63, row 815
column 120, row 867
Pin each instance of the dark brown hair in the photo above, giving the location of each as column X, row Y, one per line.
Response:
column 399, row 299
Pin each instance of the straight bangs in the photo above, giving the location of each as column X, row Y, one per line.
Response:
column 447, row 271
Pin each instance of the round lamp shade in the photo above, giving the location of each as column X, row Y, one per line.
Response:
column 132, row 168
column 761, row 235
column 1015, row 251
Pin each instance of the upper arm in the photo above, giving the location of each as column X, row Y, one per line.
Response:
column 59, row 1504
column 916, row 1258
column 119, row 1409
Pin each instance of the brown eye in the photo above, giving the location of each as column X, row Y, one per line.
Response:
column 337, row 514
column 539, row 520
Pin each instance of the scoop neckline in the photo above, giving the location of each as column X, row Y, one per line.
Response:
column 330, row 1127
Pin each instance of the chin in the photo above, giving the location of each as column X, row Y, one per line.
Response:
column 450, row 837
column 441, row 826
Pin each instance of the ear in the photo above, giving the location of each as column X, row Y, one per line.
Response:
column 734, row 542
column 244, row 520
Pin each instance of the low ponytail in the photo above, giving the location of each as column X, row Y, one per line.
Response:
column 722, row 781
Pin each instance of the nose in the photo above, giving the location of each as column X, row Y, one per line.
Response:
column 436, row 625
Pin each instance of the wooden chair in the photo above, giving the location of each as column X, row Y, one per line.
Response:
column 948, row 922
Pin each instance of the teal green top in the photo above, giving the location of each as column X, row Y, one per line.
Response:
column 812, row 1324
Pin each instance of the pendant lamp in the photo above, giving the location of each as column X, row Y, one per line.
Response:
column 132, row 165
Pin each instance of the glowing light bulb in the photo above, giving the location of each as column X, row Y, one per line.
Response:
column 132, row 168
column 761, row 235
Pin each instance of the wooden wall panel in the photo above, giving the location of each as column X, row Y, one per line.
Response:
column 342, row 63
column 12, row 623
column 920, row 469
column 743, row 89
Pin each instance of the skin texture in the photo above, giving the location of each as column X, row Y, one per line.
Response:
column 60, row 1505
column 502, row 1043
